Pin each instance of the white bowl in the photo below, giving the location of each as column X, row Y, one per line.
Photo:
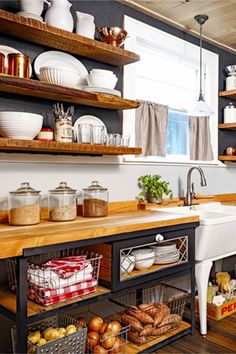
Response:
column 59, row 76
column 102, row 71
column 144, row 258
column 20, row 125
column 100, row 80
column 127, row 264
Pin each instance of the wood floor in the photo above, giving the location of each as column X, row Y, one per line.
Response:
column 220, row 339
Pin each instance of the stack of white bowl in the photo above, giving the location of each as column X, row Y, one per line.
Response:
column 20, row 125
column 102, row 78
column 144, row 258
column 59, row 76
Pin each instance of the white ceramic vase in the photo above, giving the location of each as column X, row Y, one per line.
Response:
column 59, row 15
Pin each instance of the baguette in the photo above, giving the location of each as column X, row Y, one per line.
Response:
column 158, row 318
column 150, row 309
column 170, row 320
column 164, row 308
column 161, row 330
column 133, row 322
column 134, row 337
column 140, row 315
column 147, row 330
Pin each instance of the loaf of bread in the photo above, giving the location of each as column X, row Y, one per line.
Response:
column 171, row 319
column 158, row 318
column 140, row 315
column 147, row 330
column 132, row 321
column 161, row 330
column 149, row 309
column 134, row 337
column 163, row 308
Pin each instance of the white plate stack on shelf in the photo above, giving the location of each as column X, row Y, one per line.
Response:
column 166, row 253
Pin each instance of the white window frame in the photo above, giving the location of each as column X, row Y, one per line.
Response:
column 178, row 46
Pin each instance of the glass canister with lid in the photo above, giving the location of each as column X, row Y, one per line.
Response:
column 62, row 203
column 95, row 200
column 24, row 206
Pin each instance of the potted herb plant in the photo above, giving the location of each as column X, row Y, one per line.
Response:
column 154, row 188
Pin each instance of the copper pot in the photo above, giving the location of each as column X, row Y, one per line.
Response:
column 2, row 60
column 19, row 65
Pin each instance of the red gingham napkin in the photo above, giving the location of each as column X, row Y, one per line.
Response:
column 67, row 266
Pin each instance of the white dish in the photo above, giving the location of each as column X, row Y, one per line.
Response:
column 144, row 258
column 29, row 15
column 8, row 50
column 102, row 71
column 59, row 76
column 57, row 59
column 96, row 89
column 101, row 80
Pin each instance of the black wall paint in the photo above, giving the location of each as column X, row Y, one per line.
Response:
column 108, row 13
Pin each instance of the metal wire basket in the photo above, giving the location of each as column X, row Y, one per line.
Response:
column 173, row 297
column 72, row 344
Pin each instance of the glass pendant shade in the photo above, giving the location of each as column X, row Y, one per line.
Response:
column 201, row 109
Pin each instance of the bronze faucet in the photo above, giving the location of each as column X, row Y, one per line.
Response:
column 190, row 189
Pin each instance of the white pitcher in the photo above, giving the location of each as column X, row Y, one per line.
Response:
column 34, row 7
column 59, row 15
column 85, row 25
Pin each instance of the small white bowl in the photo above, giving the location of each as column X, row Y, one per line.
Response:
column 127, row 264
column 144, row 258
column 20, row 125
column 102, row 71
column 100, row 80
column 59, row 76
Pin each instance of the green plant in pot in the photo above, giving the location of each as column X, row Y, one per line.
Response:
column 154, row 189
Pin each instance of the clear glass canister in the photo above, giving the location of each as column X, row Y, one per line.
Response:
column 62, row 203
column 95, row 200
column 24, row 206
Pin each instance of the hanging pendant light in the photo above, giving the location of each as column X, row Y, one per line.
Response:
column 201, row 109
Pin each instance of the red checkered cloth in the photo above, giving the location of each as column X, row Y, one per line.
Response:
column 58, row 298
column 48, row 292
column 67, row 266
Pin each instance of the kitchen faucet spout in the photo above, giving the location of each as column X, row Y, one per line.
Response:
column 190, row 192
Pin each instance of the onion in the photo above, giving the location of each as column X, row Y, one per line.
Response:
column 92, row 339
column 103, row 328
column 108, row 340
column 95, row 323
column 117, row 346
column 81, row 322
column 99, row 350
column 114, row 327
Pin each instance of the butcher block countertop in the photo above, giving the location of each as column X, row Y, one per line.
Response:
column 14, row 239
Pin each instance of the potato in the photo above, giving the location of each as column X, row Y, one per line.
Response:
column 62, row 331
column 41, row 341
column 34, row 337
column 71, row 330
column 71, row 326
column 50, row 333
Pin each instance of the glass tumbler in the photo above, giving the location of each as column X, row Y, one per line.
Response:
column 84, row 133
column 98, row 134
column 116, row 139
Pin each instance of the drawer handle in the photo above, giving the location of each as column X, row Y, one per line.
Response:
column 159, row 237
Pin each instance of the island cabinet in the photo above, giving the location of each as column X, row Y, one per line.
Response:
column 112, row 237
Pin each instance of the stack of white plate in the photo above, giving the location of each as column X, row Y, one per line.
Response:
column 166, row 253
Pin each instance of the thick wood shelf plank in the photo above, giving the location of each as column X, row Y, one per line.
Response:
column 227, row 158
column 44, row 90
column 37, row 32
column 229, row 94
column 8, row 301
column 7, row 144
column 131, row 348
column 227, row 126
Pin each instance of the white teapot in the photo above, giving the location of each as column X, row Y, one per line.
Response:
column 85, row 25
column 59, row 15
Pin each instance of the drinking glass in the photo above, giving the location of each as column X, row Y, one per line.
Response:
column 116, row 139
column 98, row 134
column 84, row 133
column 124, row 140
column 109, row 139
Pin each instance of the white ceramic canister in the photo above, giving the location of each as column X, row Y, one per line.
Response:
column 231, row 82
column 59, row 15
column 85, row 25
column 230, row 113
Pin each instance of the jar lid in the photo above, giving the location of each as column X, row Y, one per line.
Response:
column 47, row 130
column 95, row 187
column 230, row 105
column 25, row 189
column 63, row 189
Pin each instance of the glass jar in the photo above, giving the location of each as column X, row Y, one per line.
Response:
column 62, row 203
column 95, row 200
column 24, row 206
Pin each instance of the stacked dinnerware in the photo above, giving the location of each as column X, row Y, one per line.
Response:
column 166, row 253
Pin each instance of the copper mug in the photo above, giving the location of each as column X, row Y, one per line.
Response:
column 2, row 62
column 19, row 65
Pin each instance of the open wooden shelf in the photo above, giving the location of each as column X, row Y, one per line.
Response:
column 40, row 33
column 7, row 144
column 227, row 158
column 44, row 90
column 8, row 301
column 228, row 94
column 131, row 348
column 227, row 126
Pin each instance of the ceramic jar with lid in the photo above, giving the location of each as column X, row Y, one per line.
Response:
column 62, row 203
column 24, row 206
column 95, row 200
column 230, row 113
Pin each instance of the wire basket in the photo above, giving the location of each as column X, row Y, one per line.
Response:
column 52, row 280
column 159, row 309
column 71, row 344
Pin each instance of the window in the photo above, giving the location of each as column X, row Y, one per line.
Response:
column 168, row 73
